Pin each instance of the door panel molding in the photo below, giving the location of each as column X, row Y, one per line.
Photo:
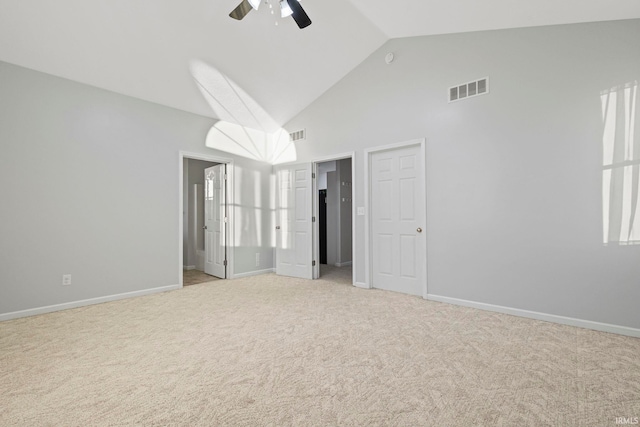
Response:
column 215, row 221
column 405, row 163
column 294, row 230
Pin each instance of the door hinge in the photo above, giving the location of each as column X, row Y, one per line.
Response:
column 225, row 262
column 226, row 219
column 313, row 263
column 313, row 219
column 225, row 176
column 313, row 175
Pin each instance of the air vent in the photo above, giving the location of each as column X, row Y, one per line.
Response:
column 297, row 135
column 469, row 90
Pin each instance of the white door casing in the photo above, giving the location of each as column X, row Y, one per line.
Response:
column 215, row 220
column 397, row 206
column 294, row 185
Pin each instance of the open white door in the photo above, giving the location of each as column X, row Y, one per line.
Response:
column 215, row 221
column 294, row 185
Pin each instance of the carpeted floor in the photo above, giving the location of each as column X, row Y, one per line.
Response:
column 275, row 351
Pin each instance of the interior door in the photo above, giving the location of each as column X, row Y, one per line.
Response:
column 398, row 254
column 215, row 221
column 294, row 185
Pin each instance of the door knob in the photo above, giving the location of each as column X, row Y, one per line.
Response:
column 419, row 230
column 277, row 227
column 204, row 227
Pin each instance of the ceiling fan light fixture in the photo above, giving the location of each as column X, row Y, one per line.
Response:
column 255, row 4
column 285, row 10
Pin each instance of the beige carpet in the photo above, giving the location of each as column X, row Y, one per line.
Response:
column 271, row 351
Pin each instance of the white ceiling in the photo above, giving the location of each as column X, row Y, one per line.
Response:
column 190, row 55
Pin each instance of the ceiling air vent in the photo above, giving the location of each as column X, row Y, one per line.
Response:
column 469, row 90
column 297, row 135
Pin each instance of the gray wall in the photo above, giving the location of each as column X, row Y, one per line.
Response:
column 515, row 177
column 333, row 217
column 346, row 204
column 339, row 227
column 89, row 186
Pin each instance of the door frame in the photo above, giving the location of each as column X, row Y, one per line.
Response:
column 316, row 225
column 182, row 155
column 421, row 142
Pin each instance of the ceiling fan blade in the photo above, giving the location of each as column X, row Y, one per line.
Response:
column 241, row 11
column 299, row 15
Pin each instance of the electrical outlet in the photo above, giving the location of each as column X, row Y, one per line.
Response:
column 257, row 259
column 66, row 279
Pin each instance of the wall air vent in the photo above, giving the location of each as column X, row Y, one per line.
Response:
column 297, row 135
column 469, row 90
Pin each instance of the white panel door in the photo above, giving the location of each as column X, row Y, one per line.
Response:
column 215, row 230
column 398, row 255
column 293, row 221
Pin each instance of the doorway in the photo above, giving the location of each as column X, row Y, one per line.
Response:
column 333, row 206
column 396, row 247
column 205, row 182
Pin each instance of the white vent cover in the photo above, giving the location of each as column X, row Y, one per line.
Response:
column 469, row 90
column 297, row 135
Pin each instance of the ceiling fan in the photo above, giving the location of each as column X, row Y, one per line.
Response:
column 287, row 8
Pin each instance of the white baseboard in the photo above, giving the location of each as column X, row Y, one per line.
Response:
column 588, row 324
column 188, row 267
column 85, row 302
column 343, row 264
column 361, row 285
column 253, row 273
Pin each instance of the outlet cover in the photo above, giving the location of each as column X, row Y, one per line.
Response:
column 66, row 280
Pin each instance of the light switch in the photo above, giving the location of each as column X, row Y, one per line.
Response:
column 360, row 210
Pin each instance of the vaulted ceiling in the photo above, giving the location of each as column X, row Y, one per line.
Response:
column 191, row 56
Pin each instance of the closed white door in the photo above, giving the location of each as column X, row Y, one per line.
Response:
column 215, row 221
column 293, row 221
column 398, row 245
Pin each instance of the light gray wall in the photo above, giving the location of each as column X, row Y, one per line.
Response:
column 345, row 201
column 323, row 168
column 333, row 217
column 514, row 178
column 89, row 186
column 339, row 228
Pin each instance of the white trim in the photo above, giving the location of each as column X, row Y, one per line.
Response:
column 354, row 239
column 315, row 227
column 340, row 156
column 421, row 142
column 189, row 267
column 588, row 324
column 361, row 285
column 343, row 264
column 230, row 206
column 85, row 302
column 254, row 273
column 367, row 227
